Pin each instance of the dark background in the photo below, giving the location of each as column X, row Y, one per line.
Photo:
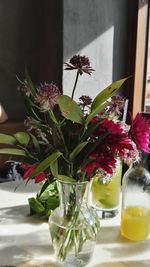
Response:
column 30, row 34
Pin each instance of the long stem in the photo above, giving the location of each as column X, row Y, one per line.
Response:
column 68, row 238
column 74, row 238
column 76, row 80
column 52, row 116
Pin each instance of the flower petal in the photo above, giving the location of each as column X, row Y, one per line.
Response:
column 40, row 177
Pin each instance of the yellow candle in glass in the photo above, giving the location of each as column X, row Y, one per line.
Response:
column 135, row 222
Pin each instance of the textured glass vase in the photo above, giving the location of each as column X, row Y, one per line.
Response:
column 135, row 217
column 105, row 196
column 73, row 225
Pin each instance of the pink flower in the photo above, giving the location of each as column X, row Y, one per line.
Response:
column 131, row 156
column 140, row 132
column 47, row 96
column 114, row 136
column 28, row 170
column 117, row 139
column 81, row 63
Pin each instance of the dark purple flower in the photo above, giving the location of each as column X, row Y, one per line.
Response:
column 114, row 108
column 100, row 161
column 80, row 63
column 47, row 96
column 115, row 105
column 85, row 100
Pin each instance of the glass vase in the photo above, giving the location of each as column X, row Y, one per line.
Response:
column 105, row 196
column 135, row 216
column 73, row 225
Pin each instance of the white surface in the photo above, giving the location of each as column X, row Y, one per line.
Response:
column 25, row 241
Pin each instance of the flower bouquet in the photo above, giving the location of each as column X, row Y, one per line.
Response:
column 71, row 141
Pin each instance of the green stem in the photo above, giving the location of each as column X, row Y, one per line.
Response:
column 68, row 237
column 71, row 237
column 76, row 80
column 28, row 153
column 52, row 116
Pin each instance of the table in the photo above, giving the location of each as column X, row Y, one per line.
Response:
column 25, row 241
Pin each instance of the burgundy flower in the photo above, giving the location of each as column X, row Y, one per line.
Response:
column 115, row 142
column 47, row 96
column 104, row 161
column 114, row 136
column 81, row 63
column 39, row 177
column 28, row 170
column 140, row 132
column 95, row 119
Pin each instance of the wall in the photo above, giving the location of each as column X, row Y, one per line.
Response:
column 31, row 34
column 97, row 29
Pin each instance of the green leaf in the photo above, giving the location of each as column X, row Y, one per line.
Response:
column 36, row 205
column 13, row 151
column 28, row 103
column 70, row 109
column 35, row 142
column 95, row 112
column 52, row 116
column 54, row 168
column 23, row 138
column 65, row 178
column 90, row 129
column 43, row 188
column 50, row 190
column 46, row 163
column 99, row 102
column 77, row 150
column 107, row 93
column 30, row 83
column 52, row 203
column 7, row 139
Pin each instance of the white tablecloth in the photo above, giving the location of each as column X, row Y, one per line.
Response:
column 25, row 241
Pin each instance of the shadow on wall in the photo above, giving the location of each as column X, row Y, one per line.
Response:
column 87, row 20
column 30, row 34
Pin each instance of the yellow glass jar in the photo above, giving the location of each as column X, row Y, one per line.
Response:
column 105, row 197
column 135, row 215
